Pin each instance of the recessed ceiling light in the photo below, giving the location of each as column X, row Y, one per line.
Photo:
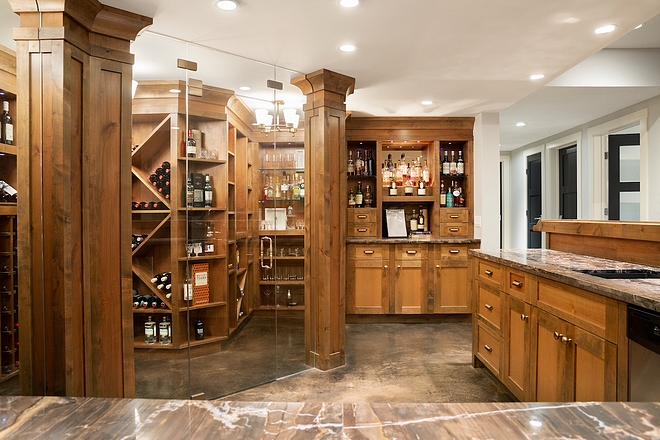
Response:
column 427, row 102
column 605, row 29
column 520, row 124
column 536, row 423
column 175, row 91
column 246, row 88
column 537, row 76
column 347, row 47
column 227, row 5
column 639, row 25
column 349, row 3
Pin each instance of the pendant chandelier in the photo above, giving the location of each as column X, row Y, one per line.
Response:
column 267, row 122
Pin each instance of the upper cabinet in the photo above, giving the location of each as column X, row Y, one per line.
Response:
column 409, row 176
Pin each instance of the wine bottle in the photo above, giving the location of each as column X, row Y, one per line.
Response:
column 445, row 164
column 351, row 199
column 208, row 193
column 443, row 195
column 452, row 165
column 371, row 165
column 460, row 165
column 149, row 331
column 421, row 221
column 199, row 330
column 191, row 145
column 368, row 197
column 7, row 127
column 413, row 221
column 350, row 170
column 359, row 197
column 450, row 197
column 190, row 192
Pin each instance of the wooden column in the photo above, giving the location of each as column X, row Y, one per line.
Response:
column 74, row 72
column 325, row 216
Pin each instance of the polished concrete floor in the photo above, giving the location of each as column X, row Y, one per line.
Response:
column 392, row 362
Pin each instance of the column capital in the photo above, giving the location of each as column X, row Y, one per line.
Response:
column 325, row 88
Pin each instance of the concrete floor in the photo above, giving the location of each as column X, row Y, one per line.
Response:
column 427, row 362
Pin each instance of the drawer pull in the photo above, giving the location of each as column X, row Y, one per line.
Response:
column 488, row 272
column 362, row 230
column 368, row 252
column 362, row 216
column 385, row 267
column 565, row 340
column 454, row 251
column 411, row 252
column 454, row 229
column 557, row 336
column 437, row 266
column 523, row 317
column 488, row 348
column 517, row 283
column 488, row 306
column 453, row 216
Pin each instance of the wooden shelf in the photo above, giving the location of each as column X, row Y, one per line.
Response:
column 8, row 209
column 207, row 161
column 7, row 376
column 206, row 340
column 203, row 306
column 408, row 199
column 150, row 211
column 203, row 257
column 10, row 150
column 202, row 209
column 282, row 283
column 150, row 311
column 283, row 232
column 301, row 308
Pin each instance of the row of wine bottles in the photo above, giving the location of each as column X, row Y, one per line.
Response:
column 163, row 281
column 153, row 205
column 147, row 301
column 137, row 239
column 160, row 178
column 7, row 193
column 163, row 332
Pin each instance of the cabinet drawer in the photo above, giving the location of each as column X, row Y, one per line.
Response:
column 362, row 230
column 488, row 306
column 361, row 215
column 454, row 215
column 454, row 229
column 489, row 349
column 488, row 272
column 372, row 251
column 452, row 252
column 410, row 252
column 517, row 284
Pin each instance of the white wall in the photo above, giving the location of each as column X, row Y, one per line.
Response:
column 590, row 169
column 487, row 180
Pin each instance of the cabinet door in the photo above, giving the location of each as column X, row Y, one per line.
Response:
column 410, row 286
column 368, row 286
column 517, row 348
column 450, row 287
column 553, row 378
column 594, row 364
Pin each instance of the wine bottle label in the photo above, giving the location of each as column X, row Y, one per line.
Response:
column 198, row 196
column 460, row 168
column 208, row 198
column 358, row 199
column 9, row 133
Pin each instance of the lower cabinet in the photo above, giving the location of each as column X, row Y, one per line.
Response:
column 543, row 343
column 408, row 278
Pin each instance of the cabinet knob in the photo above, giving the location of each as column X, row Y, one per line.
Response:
column 557, row 336
column 523, row 317
column 517, row 283
column 565, row 340
column 437, row 266
column 488, row 306
column 398, row 267
column 489, row 273
column 488, row 348
column 386, row 267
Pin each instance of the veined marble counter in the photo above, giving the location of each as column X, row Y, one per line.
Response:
column 96, row 418
column 563, row 266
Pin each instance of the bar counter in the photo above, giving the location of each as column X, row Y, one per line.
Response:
column 87, row 418
column 564, row 267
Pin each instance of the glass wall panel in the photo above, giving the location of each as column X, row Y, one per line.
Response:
column 629, row 203
column 629, row 163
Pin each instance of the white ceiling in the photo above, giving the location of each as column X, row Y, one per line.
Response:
column 468, row 56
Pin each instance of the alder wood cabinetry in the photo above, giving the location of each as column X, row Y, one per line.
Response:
column 221, row 231
column 9, row 343
column 402, row 276
column 547, row 341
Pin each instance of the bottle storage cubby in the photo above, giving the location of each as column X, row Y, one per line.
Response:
column 9, row 343
column 282, row 271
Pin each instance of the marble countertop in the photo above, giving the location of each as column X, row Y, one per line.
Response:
column 87, row 418
column 414, row 240
column 563, row 266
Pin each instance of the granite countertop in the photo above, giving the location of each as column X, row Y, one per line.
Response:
column 414, row 240
column 563, row 266
column 85, row 418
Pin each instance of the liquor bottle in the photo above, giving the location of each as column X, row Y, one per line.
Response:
column 426, row 174
column 368, row 197
column 371, row 165
column 208, row 193
column 359, row 196
column 445, row 164
column 302, row 188
column 7, row 127
column 351, row 166
column 443, row 195
column 270, row 190
column 284, row 187
column 150, row 331
column 421, row 189
column 393, row 189
column 413, row 221
column 457, row 194
column 198, row 194
column 296, row 188
column 450, row 197
column 452, row 165
column 460, row 165
column 351, row 199
column 412, row 174
column 165, row 331
column 199, row 330
column 190, row 192
column 420, row 221
column 191, row 145
column 408, row 188
column 385, row 175
column 278, row 188
column 359, row 164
